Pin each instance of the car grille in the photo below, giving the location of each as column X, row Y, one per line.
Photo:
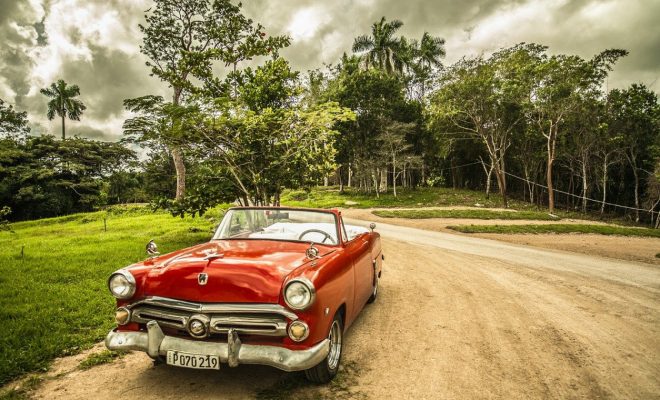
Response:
column 247, row 319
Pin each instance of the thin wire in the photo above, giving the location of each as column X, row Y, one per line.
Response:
column 580, row 197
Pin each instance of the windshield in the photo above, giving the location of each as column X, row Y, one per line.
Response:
column 279, row 224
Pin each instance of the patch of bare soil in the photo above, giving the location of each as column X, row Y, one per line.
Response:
column 620, row 247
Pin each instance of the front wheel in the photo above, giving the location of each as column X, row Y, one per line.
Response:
column 374, row 294
column 327, row 369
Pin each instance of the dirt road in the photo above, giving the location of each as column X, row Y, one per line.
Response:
column 457, row 318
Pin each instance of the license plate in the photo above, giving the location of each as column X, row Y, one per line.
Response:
column 196, row 361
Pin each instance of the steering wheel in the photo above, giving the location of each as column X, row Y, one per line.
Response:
column 325, row 235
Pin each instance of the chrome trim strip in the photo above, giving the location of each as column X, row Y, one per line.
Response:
column 247, row 308
column 154, row 342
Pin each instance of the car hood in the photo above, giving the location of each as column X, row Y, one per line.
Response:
column 238, row 271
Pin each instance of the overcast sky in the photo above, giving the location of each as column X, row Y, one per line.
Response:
column 94, row 43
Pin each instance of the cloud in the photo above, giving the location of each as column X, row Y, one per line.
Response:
column 95, row 43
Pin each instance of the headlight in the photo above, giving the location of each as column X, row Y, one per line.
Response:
column 122, row 284
column 299, row 293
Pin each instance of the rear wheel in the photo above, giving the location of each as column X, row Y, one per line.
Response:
column 327, row 369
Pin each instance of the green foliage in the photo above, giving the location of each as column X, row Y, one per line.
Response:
column 54, row 300
column 63, row 102
column 467, row 214
column 12, row 123
column 558, row 228
column 4, row 213
column 41, row 177
column 183, row 39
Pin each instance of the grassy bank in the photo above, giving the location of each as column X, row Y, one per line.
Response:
column 466, row 214
column 558, row 228
column 330, row 197
column 53, row 298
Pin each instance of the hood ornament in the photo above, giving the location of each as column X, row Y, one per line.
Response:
column 202, row 279
column 312, row 252
column 152, row 249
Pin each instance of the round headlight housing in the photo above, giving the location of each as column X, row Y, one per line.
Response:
column 122, row 284
column 299, row 294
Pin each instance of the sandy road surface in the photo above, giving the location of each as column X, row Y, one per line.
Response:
column 457, row 318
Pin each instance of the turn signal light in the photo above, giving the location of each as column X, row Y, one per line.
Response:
column 298, row 331
column 122, row 316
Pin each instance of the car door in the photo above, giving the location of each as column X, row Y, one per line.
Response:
column 359, row 249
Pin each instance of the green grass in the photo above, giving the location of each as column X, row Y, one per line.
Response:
column 330, row 197
column 53, row 299
column 104, row 357
column 558, row 228
column 467, row 214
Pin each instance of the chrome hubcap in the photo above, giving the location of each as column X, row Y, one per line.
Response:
column 335, row 345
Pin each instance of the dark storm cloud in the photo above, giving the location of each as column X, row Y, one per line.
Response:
column 94, row 43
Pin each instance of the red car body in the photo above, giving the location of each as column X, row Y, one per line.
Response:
column 253, row 273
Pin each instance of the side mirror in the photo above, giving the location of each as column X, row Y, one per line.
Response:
column 152, row 249
column 372, row 226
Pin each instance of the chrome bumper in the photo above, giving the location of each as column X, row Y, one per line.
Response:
column 155, row 343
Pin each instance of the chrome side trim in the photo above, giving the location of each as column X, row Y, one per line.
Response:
column 216, row 307
column 154, row 342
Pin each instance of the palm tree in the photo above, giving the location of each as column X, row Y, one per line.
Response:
column 63, row 102
column 381, row 47
column 430, row 51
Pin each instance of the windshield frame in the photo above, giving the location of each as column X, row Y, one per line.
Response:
column 340, row 241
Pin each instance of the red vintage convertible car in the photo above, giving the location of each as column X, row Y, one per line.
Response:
column 274, row 286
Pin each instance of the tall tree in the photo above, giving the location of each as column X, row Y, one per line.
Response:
column 382, row 48
column 482, row 99
column 635, row 116
column 184, row 38
column 63, row 102
column 431, row 50
column 562, row 83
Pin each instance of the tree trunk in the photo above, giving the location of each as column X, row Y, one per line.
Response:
column 502, row 184
column 177, row 157
column 180, row 167
column 375, row 179
column 383, row 180
column 350, row 175
column 393, row 173
column 551, row 199
column 584, row 186
column 602, row 204
column 341, row 181
column 636, row 194
column 551, row 159
column 63, row 134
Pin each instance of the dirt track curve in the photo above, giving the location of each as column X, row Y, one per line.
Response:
column 457, row 318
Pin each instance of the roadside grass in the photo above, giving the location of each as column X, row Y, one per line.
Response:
column 467, row 214
column 104, row 357
column 558, row 228
column 53, row 296
column 23, row 391
column 330, row 197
